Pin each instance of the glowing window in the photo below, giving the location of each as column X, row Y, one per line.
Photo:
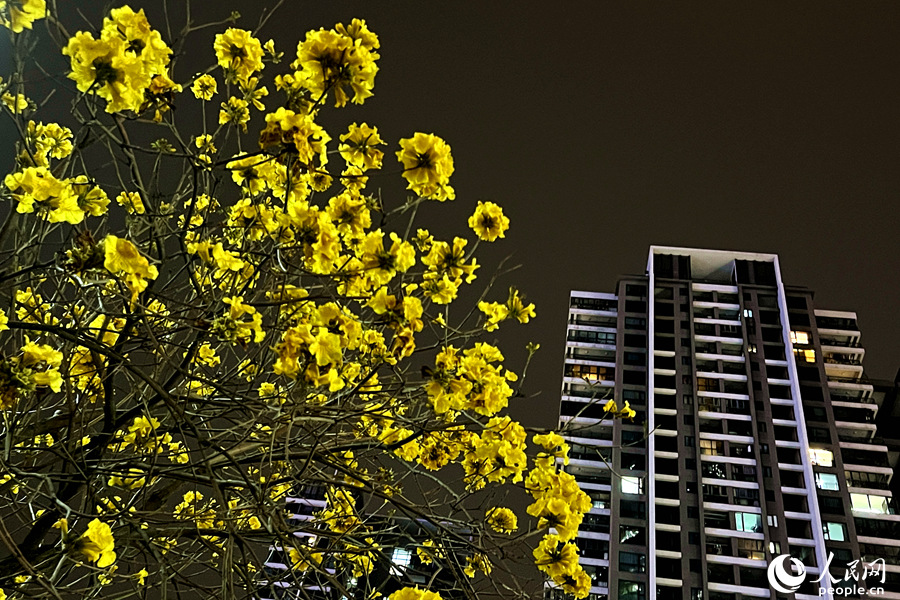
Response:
column 808, row 355
column 748, row 313
column 400, row 559
column 748, row 522
column 820, row 457
column 632, row 485
column 827, row 481
column 799, row 337
column 870, row 503
column 835, row 531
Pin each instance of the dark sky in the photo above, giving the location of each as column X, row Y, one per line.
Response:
column 603, row 128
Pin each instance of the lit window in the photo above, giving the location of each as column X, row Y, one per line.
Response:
column 400, row 559
column 748, row 313
column 748, row 522
column 870, row 503
column 632, row 485
column 772, row 520
column 805, row 355
column 827, row 481
column 836, row 532
column 775, row 547
column 799, row 337
column 820, row 457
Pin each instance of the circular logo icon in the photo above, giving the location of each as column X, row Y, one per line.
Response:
column 781, row 579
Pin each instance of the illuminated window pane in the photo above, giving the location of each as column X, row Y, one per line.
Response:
column 632, row 485
column 835, row 531
column 821, row 458
column 869, row 503
column 827, row 481
column 748, row 522
column 799, row 337
column 401, row 557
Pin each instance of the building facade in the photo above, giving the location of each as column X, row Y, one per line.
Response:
column 755, row 437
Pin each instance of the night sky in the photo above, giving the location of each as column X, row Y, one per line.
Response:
column 603, row 128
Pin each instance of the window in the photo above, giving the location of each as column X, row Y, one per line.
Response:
column 705, row 384
column 827, row 481
column 753, row 549
column 631, row 534
column 632, row 590
column 748, row 313
column 870, row 503
column 775, row 547
column 799, row 337
column 712, row 447
column 632, row 485
column 821, row 458
column 835, row 531
column 632, row 562
column 807, row 355
column 772, row 520
column 748, row 522
column 400, row 559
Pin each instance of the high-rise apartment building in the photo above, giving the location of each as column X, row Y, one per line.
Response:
column 755, row 437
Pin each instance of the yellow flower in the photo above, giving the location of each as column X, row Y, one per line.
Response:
column 235, row 112
column 414, row 593
column 488, row 221
column 16, row 104
column 140, row 576
column 427, row 166
column 502, row 520
column 204, row 87
column 554, row 560
column 18, row 15
column 4, row 321
column 627, row 412
column 495, row 313
column 97, row 544
column 359, row 147
column 338, row 59
column 239, row 53
column 610, row 406
column 121, row 256
column 131, row 202
column 517, row 308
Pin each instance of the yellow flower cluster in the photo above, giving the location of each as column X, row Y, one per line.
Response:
column 37, row 366
column 313, row 348
column 36, row 189
column 125, row 66
column 18, row 15
column 47, row 141
column 427, row 166
column 339, row 60
column 239, row 54
column 340, row 514
column 497, row 456
column 612, row 408
column 514, row 308
column 501, row 520
column 558, row 503
column 470, row 381
column 414, row 593
column 488, row 221
column 97, row 544
column 121, row 257
column 143, row 437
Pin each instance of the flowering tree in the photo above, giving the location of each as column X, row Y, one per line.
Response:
column 246, row 323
